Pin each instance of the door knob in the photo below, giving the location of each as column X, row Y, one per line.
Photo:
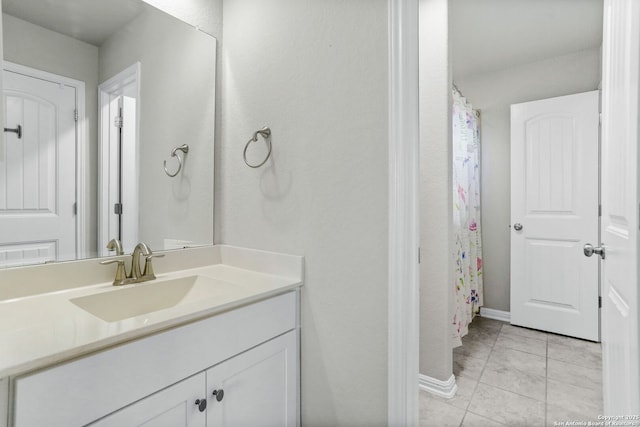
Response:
column 201, row 404
column 219, row 394
column 589, row 250
column 517, row 226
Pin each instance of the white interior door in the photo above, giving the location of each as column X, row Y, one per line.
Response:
column 620, row 322
column 129, row 174
column 554, row 212
column 38, row 172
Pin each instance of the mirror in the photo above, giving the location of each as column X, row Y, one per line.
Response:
column 109, row 130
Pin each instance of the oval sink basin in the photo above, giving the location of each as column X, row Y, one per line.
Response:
column 139, row 299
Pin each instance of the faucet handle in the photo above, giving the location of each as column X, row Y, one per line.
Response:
column 115, row 245
column 148, row 267
column 121, row 274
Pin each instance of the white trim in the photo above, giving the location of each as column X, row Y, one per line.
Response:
column 82, row 153
column 490, row 313
column 446, row 389
column 83, row 224
column 403, row 315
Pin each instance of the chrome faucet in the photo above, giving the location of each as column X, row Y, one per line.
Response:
column 134, row 275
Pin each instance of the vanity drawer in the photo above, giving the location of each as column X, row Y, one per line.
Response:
column 81, row 391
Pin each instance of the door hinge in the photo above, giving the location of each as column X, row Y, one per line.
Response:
column 75, row 208
column 418, row 255
column 599, row 210
column 75, row 114
column 117, row 208
column 599, row 302
column 117, row 122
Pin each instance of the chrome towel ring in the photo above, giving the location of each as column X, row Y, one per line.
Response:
column 185, row 149
column 265, row 132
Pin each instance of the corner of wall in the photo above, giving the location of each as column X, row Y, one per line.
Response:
column 436, row 294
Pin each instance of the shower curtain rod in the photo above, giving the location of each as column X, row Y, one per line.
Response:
column 455, row 88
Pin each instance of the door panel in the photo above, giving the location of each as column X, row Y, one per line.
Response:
column 619, row 227
column 260, row 387
column 554, row 285
column 37, row 173
column 554, row 195
column 172, row 407
column 129, row 174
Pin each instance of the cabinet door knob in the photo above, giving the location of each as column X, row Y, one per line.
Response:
column 219, row 394
column 202, row 404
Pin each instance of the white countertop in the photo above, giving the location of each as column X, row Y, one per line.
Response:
column 44, row 329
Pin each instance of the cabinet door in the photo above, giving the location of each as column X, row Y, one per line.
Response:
column 172, row 407
column 260, row 386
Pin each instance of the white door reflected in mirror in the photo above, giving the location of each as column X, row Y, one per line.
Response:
column 37, row 170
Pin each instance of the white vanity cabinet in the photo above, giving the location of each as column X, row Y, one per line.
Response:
column 250, row 352
column 255, row 388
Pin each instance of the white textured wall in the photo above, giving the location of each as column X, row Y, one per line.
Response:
column 316, row 73
column 206, row 15
column 177, row 106
column 31, row 45
column 436, row 286
column 493, row 93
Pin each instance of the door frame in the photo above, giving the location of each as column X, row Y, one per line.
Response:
column 83, row 225
column 403, row 45
column 130, row 75
column 404, row 232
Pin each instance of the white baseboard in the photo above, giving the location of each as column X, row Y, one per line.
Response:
column 490, row 313
column 446, row 389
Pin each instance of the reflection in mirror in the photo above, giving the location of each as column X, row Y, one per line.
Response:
column 103, row 93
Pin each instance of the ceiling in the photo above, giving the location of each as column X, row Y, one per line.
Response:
column 486, row 35
column 90, row 21
column 490, row 35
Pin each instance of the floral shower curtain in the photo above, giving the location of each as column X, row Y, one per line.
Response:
column 466, row 216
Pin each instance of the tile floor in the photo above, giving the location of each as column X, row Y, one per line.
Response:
column 507, row 375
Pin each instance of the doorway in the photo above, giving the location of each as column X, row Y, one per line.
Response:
column 494, row 71
column 119, row 117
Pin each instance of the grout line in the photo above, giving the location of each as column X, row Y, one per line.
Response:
column 484, row 416
column 546, row 383
column 515, row 333
column 475, row 388
column 514, row 392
